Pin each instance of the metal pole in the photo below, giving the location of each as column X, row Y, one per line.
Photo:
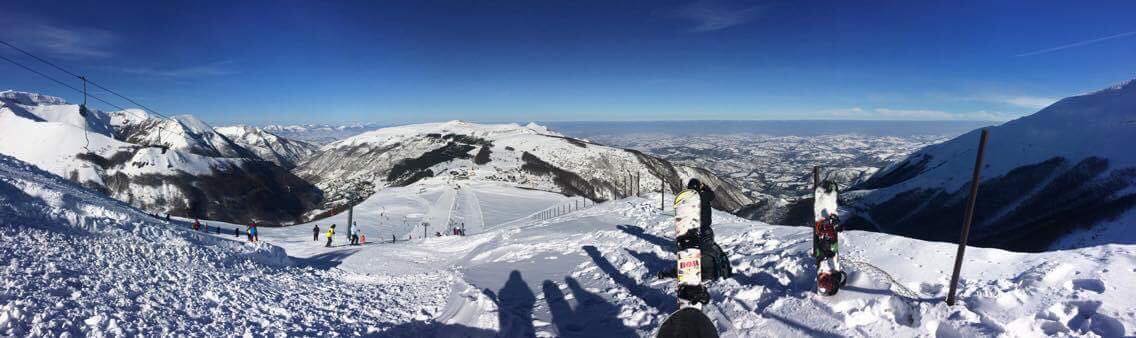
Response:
column 968, row 218
column 816, row 177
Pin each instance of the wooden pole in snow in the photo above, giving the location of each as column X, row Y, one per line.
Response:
column 816, row 177
column 968, row 218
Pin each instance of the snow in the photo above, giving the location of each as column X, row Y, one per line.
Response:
column 112, row 270
column 587, row 272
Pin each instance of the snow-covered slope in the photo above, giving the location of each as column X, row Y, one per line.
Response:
column 76, row 263
column 1067, row 166
column 529, row 156
column 267, row 146
column 182, row 132
column 51, row 135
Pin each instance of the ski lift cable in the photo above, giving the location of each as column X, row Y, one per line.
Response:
column 59, row 82
column 93, row 83
column 85, row 81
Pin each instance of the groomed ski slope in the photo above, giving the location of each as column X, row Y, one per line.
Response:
column 73, row 261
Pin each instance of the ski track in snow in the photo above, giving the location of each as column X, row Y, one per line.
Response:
column 75, row 262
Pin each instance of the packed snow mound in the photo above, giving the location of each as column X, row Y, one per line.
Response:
column 528, row 156
column 268, row 146
column 77, row 263
column 1068, row 165
column 173, row 181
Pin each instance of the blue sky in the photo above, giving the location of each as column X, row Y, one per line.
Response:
column 414, row 61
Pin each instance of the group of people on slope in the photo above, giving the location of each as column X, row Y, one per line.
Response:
column 251, row 230
column 354, row 235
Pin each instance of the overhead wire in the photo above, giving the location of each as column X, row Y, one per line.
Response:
column 93, row 83
column 83, row 91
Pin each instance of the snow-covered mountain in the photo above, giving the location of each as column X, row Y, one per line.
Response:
column 1055, row 172
column 282, row 151
column 531, row 156
column 182, row 132
column 182, row 180
column 321, row 133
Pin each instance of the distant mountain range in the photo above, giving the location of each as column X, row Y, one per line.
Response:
column 178, row 166
column 183, row 166
column 1049, row 178
column 529, row 156
column 320, row 133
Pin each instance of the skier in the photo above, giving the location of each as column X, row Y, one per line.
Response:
column 362, row 238
column 330, row 233
column 315, row 233
column 253, row 236
column 237, row 232
column 196, row 224
column 248, row 232
column 355, row 235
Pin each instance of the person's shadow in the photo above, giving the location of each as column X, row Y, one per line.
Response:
column 660, row 300
column 593, row 316
column 664, row 243
column 515, row 302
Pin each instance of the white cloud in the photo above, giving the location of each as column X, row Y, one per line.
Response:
column 1076, row 44
column 1033, row 102
column 709, row 16
column 59, row 41
column 915, row 115
column 210, row 69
